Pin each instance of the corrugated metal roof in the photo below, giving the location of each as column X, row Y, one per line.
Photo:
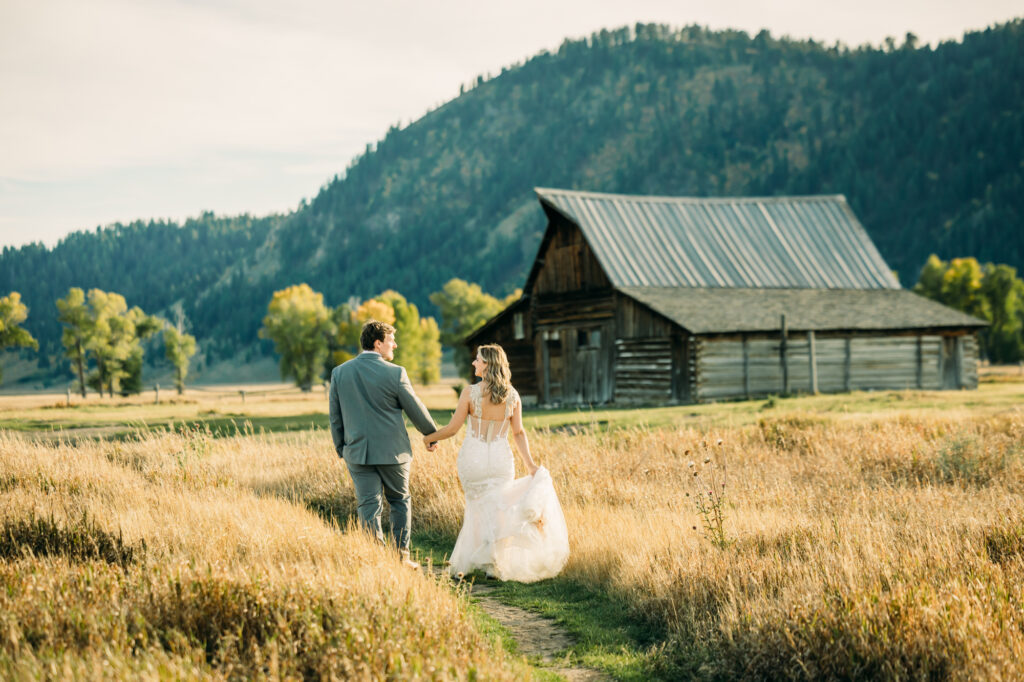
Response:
column 719, row 310
column 774, row 242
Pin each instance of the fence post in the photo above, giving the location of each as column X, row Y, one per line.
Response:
column 156, row 388
column 783, row 359
column 814, row 362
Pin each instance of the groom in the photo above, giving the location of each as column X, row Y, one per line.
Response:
column 368, row 395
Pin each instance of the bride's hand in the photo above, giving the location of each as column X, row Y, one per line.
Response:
column 535, row 467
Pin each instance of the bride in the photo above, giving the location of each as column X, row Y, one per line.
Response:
column 512, row 529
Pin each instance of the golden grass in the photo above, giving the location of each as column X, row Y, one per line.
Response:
column 891, row 547
column 882, row 544
column 228, row 582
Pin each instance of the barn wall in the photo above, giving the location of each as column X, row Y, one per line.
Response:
column 634, row 321
column 568, row 264
column 643, row 370
column 734, row 367
column 969, row 370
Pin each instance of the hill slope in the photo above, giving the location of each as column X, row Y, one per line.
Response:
column 925, row 143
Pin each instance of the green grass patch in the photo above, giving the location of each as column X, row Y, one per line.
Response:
column 107, row 423
column 240, row 424
column 610, row 636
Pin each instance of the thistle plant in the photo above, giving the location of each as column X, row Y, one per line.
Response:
column 708, row 480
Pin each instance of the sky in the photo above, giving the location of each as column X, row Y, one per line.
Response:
column 118, row 110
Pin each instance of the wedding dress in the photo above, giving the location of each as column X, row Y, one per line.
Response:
column 512, row 529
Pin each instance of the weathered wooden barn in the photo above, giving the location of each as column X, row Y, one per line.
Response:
column 637, row 299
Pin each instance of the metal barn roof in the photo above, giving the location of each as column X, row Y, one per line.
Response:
column 742, row 242
column 718, row 310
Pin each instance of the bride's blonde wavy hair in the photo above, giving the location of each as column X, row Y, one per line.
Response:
column 497, row 376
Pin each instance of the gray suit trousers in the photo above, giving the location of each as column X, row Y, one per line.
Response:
column 370, row 481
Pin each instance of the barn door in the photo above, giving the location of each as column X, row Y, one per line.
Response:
column 552, row 366
column 680, row 369
column 951, row 362
column 586, row 372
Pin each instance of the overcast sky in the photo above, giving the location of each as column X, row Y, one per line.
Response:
column 114, row 110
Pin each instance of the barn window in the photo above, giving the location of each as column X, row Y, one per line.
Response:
column 588, row 338
column 517, row 324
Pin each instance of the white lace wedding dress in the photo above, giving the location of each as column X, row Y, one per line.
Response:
column 512, row 529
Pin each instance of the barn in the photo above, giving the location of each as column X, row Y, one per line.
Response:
column 661, row 300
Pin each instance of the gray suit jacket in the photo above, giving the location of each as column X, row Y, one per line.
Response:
column 368, row 395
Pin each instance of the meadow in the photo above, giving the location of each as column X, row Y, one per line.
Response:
column 862, row 536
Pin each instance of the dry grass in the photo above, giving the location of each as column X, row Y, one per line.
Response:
column 219, row 580
column 885, row 548
column 863, row 545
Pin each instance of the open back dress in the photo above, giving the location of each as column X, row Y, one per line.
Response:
column 512, row 529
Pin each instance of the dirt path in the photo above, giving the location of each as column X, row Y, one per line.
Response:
column 535, row 635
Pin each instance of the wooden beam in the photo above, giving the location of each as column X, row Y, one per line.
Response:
column 920, row 364
column 746, row 368
column 847, row 364
column 546, row 363
column 783, row 360
column 958, row 350
column 814, row 363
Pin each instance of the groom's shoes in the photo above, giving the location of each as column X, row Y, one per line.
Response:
column 409, row 563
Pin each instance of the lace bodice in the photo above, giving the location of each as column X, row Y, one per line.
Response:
column 488, row 430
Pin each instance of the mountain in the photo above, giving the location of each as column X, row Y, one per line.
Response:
column 926, row 144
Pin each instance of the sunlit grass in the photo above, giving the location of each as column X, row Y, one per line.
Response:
column 872, row 536
column 226, row 572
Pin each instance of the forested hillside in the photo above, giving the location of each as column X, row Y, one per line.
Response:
column 926, row 144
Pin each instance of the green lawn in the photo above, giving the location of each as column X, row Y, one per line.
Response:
column 117, row 419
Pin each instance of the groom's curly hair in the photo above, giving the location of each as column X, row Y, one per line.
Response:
column 374, row 330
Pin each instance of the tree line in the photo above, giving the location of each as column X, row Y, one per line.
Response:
column 103, row 338
column 312, row 338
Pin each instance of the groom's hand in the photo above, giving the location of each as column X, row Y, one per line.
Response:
column 432, row 446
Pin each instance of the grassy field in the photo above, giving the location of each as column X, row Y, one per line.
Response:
column 865, row 536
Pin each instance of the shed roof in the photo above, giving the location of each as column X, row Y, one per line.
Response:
column 718, row 310
column 744, row 242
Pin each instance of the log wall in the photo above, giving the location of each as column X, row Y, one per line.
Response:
column 736, row 367
column 969, row 369
column 643, row 370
